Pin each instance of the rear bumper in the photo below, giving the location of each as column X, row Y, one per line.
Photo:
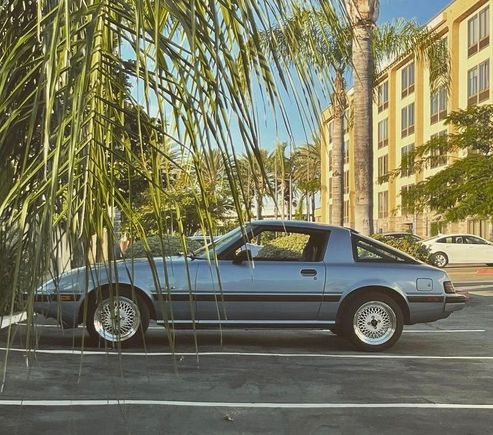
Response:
column 434, row 307
column 454, row 303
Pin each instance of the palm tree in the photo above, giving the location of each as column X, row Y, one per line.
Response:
column 254, row 182
column 279, row 168
column 312, row 37
column 306, row 173
column 363, row 15
column 64, row 112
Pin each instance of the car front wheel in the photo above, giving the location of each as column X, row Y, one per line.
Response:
column 373, row 322
column 115, row 319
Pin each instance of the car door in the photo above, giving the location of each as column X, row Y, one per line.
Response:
column 446, row 245
column 480, row 250
column 275, row 286
column 459, row 251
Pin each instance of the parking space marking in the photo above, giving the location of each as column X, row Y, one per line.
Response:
column 253, row 354
column 126, row 402
column 408, row 331
column 441, row 331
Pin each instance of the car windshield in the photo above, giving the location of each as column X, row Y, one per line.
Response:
column 219, row 244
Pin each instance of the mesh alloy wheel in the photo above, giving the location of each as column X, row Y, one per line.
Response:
column 374, row 323
column 116, row 319
column 372, row 320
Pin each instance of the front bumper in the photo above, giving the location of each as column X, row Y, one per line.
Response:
column 64, row 307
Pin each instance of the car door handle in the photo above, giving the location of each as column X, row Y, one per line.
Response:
column 308, row 272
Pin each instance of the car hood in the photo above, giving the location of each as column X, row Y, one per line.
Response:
column 161, row 274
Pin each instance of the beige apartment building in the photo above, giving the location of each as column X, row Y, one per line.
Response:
column 406, row 114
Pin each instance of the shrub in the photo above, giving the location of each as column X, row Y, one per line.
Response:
column 288, row 246
column 9, row 245
column 414, row 249
column 172, row 246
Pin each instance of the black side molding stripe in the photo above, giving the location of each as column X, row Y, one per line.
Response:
column 430, row 298
column 61, row 297
column 246, row 297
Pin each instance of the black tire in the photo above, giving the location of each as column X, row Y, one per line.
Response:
column 385, row 309
column 131, row 301
column 336, row 330
column 439, row 259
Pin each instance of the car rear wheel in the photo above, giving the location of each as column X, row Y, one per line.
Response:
column 373, row 322
column 439, row 259
column 114, row 319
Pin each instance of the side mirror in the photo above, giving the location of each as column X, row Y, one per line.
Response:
column 242, row 256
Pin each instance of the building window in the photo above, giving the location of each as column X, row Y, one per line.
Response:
column 346, row 211
column 383, row 166
column 407, row 160
column 438, row 156
column 407, row 76
column 438, row 105
column 478, row 83
column 405, row 204
column 383, row 133
column 407, row 126
column 383, row 204
column 346, row 152
column 478, row 31
column 331, row 131
column 383, row 96
column 346, row 181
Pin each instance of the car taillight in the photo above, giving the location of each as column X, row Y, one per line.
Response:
column 448, row 287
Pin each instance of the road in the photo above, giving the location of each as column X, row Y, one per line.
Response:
column 438, row 379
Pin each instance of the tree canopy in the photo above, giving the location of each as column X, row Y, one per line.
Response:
column 464, row 188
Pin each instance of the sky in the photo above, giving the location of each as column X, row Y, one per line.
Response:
column 272, row 132
column 271, row 129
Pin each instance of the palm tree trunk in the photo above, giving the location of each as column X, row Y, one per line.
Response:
column 307, row 200
column 363, row 14
column 313, row 206
column 337, row 194
column 259, row 207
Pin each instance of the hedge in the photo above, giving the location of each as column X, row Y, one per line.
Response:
column 172, row 246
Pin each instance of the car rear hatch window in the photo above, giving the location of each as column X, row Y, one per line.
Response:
column 371, row 251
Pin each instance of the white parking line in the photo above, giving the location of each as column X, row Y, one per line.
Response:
column 253, row 354
column 111, row 402
column 441, row 331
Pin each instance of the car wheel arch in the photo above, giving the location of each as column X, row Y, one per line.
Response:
column 394, row 294
column 138, row 291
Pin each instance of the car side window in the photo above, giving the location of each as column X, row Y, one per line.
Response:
column 365, row 250
column 274, row 245
column 445, row 240
column 474, row 240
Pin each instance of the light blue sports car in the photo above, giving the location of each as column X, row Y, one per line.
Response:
column 267, row 274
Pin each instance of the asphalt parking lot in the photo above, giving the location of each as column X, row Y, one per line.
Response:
column 437, row 379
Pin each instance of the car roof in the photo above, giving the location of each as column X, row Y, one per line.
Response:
column 299, row 224
column 438, row 236
column 394, row 233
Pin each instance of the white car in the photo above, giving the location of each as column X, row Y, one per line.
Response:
column 459, row 248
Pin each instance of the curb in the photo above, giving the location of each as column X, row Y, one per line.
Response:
column 6, row 321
